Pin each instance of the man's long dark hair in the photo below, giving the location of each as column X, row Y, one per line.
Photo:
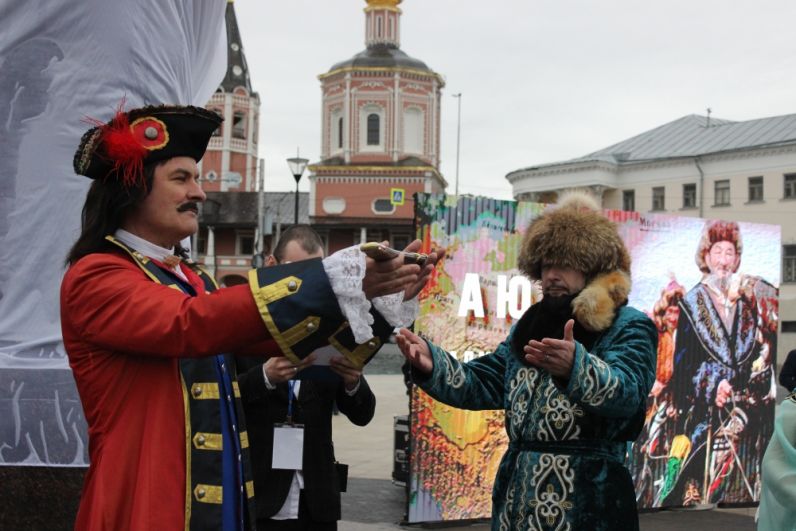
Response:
column 108, row 203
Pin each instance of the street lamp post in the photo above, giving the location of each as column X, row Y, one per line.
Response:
column 297, row 167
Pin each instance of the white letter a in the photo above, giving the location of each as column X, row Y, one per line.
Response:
column 471, row 296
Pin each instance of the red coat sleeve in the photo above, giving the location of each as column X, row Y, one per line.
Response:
column 110, row 302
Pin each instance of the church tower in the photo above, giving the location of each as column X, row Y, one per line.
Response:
column 230, row 163
column 380, row 134
column 227, row 237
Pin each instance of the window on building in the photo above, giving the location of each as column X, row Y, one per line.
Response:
column 628, row 200
column 789, row 263
column 340, row 133
column 373, row 129
column 790, row 186
column 789, row 326
column 689, row 195
column 383, row 206
column 239, row 125
column 333, row 205
column 413, row 130
column 244, row 243
column 755, row 189
column 722, row 192
column 659, row 198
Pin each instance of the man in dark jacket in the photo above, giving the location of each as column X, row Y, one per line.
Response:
column 787, row 376
column 309, row 498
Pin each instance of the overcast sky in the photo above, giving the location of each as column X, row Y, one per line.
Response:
column 542, row 80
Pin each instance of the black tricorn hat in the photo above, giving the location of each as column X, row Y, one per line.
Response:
column 120, row 148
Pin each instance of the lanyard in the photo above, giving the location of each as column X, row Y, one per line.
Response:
column 290, row 395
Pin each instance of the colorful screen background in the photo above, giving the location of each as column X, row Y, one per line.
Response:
column 455, row 453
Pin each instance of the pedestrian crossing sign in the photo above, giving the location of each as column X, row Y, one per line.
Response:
column 397, row 196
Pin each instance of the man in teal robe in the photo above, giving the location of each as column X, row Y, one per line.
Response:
column 573, row 376
column 777, row 511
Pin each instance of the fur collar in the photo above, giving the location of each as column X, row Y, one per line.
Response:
column 595, row 307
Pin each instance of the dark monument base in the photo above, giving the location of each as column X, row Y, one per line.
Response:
column 39, row 497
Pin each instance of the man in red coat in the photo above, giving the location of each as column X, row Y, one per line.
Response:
column 147, row 333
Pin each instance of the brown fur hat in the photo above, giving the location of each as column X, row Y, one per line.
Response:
column 575, row 234
column 716, row 231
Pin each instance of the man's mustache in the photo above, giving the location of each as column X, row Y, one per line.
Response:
column 190, row 205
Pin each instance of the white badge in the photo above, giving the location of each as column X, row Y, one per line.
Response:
column 288, row 446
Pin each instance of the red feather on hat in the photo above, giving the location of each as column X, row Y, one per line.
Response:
column 122, row 148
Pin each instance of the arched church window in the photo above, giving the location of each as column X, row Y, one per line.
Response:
column 373, row 129
column 239, row 125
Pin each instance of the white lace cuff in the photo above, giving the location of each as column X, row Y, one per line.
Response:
column 395, row 310
column 346, row 269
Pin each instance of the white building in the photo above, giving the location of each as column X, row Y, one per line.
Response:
column 694, row 166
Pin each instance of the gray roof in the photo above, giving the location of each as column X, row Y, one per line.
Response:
column 239, row 209
column 690, row 136
column 382, row 55
column 282, row 204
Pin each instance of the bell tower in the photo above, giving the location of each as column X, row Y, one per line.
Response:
column 380, row 138
column 230, row 162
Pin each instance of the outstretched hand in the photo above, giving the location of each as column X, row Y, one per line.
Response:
column 556, row 356
column 433, row 259
column 385, row 277
column 415, row 349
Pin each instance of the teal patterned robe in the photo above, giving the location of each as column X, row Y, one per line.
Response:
column 564, row 467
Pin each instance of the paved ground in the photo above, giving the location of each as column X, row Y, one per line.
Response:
column 373, row 502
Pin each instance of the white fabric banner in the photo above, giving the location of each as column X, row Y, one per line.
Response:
column 60, row 62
